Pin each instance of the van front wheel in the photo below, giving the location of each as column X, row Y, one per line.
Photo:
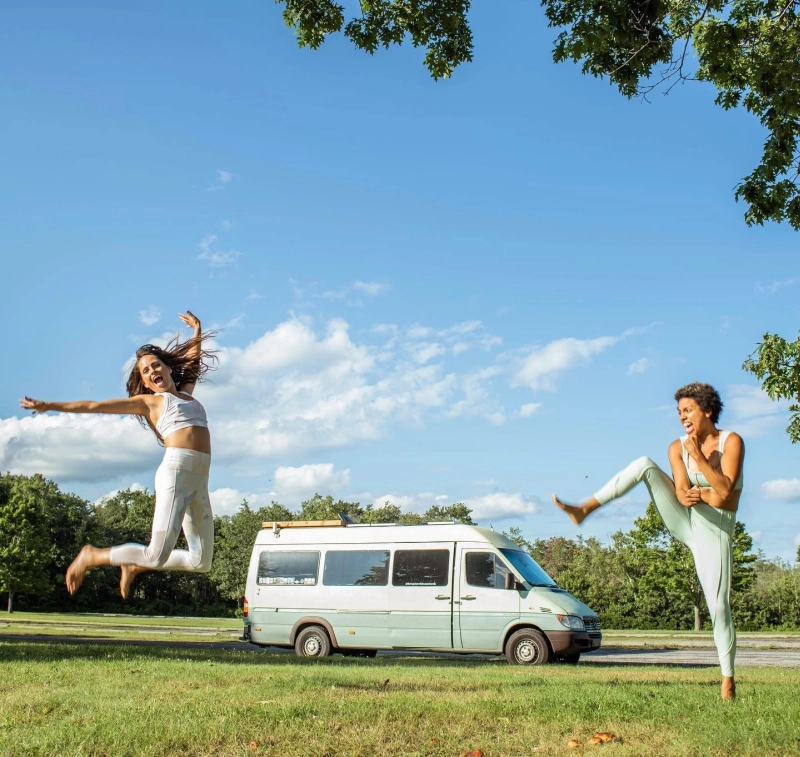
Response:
column 312, row 642
column 527, row 647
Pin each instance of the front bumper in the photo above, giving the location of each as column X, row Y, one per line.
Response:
column 574, row 642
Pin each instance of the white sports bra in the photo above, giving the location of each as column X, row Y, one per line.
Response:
column 696, row 478
column 179, row 413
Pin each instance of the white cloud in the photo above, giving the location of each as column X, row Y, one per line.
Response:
column 222, row 180
column 757, row 536
column 540, row 368
column 484, row 482
column 306, row 480
column 488, row 507
column 216, row 258
column 151, row 316
column 500, row 505
column 134, row 487
column 640, row 366
column 297, row 390
column 797, row 540
column 527, row 410
column 785, row 489
column 369, row 288
column 412, row 503
column 422, row 352
column 419, row 332
column 226, row 225
column 226, row 501
column 774, row 286
column 752, row 412
column 68, row 447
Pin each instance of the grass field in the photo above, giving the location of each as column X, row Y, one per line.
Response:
column 114, row 700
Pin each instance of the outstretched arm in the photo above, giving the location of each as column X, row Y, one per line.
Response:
column 141, row 404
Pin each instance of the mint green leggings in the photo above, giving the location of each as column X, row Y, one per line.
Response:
column 705, row 530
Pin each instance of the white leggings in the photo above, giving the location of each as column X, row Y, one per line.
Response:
column 705, row 530
column 181, row 500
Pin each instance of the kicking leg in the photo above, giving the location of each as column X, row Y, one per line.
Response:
column 659, row 485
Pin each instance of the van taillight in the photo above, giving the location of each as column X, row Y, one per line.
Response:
column 245, row 606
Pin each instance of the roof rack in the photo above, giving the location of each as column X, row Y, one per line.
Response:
column 339, row 522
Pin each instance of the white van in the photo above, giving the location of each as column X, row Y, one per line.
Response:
column 329, row 586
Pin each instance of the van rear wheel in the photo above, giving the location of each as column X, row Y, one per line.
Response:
column 312, row 641
column 527, row 647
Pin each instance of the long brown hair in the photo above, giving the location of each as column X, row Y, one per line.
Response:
column 189, row 361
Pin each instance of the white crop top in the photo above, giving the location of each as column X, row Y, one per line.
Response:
column 179, row 413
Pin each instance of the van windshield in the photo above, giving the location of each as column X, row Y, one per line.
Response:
column 528, row 567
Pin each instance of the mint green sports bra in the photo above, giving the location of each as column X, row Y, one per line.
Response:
column 696, row 478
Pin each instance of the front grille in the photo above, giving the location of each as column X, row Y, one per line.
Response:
column 591, row 622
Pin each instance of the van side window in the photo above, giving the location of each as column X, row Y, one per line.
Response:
column 362, row 567
column 484, row 569
column 279, row 568
column 421, row 567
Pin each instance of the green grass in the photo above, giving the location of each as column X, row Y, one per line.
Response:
column 121, row 626
column 115, row 701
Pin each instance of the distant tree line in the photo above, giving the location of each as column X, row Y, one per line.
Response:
column 642, row 579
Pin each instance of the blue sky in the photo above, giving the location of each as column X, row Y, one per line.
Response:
column 485, row 289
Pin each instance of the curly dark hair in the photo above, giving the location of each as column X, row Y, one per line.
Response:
column 704, row 395
column 188, row 361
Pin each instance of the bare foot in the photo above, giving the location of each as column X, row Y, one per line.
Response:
column 87, row 559
column 577, row 513
column 728, row 688
column 129, row 572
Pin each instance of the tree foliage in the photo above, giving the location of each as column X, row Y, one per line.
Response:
column 24, row 544
column 776, row 364
column 749, row 50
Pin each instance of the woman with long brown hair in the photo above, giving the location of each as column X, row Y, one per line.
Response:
column 160, row 390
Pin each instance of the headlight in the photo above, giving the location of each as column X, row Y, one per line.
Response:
column 571, row 621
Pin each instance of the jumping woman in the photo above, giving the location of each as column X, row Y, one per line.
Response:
column 160, row 390
column 698, row 505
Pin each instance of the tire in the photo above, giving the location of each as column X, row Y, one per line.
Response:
column 527, row 647
column 312, row 641
column 570, row 659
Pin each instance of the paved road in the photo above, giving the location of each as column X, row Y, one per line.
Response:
column 687, row 656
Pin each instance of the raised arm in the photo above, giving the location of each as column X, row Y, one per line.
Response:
column 196, row 351
column 141, row 404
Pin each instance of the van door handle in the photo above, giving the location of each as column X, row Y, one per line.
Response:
column 442, row 596
column 469, row 596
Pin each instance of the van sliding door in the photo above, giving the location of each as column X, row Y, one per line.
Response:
column 421, row 596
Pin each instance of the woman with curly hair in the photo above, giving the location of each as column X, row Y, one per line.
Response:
column 160, row 390
column 698, row 505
